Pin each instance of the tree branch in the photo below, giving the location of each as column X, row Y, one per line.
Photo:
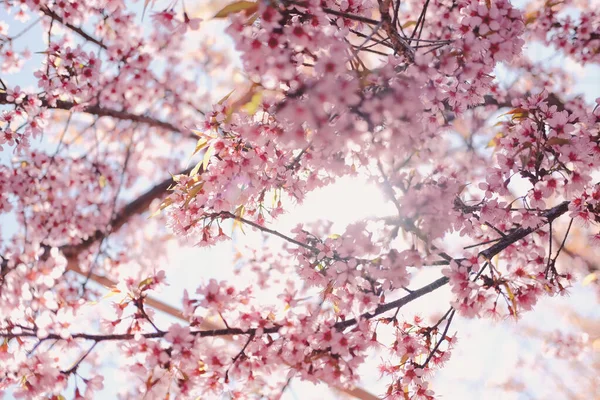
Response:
column 106, row 112
column 137, row 206
column 74, row 28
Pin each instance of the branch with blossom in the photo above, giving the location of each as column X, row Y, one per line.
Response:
column 404, row 94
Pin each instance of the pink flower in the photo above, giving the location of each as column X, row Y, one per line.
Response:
column 179, row 336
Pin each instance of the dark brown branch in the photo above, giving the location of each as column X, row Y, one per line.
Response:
column 520, row 233
column 437, row 345
column 270, row 231
column 130, row 336
column 400, row 45
column 74, row 28
column 489, row 253
column 137, row 206
column 105, row 112
column 395, row 304
column 83, row 357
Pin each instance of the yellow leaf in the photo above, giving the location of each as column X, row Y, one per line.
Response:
column 113, row 292
column 196, row 169
column 517, row 113
column 238, row 6
column 207, row 155
column 224, row 99
column 252, row 99
column 193, row 192
column 589, row 279
column 145, row 282
column 408, row 24
column 166, row 203
column 336, row 308
column 239, row 212
column 252, row 106
column 202, row 143
column 102, row 181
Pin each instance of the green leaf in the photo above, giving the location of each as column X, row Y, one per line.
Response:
column 238, row 6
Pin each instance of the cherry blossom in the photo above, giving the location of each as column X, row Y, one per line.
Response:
column 133, row 136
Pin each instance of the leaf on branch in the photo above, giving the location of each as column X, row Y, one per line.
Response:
column 165, row 203
column 408, row 24
column 247, row 6
column 196, row 169
column 517, row 113
column 202, row 143
column 512, row 298
column 239, row 212
column 193, row 192
column 249, row 102
column 145, row 282
column 336, row 308
column 224, row 99
column 113, row 292
column 252, row 106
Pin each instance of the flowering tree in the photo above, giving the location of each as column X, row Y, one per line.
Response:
column 488, row 179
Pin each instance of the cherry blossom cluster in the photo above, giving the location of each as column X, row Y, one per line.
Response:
column 402, row 93
column 567, row 26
